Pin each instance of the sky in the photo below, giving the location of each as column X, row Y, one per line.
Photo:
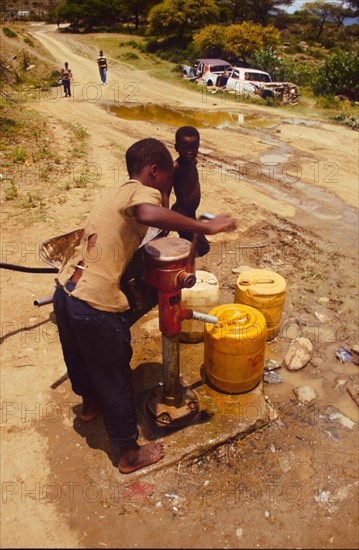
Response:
column 297, row 4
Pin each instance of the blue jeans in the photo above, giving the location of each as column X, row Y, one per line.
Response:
column 103, row 72
column 67, row 90
column 97, row 350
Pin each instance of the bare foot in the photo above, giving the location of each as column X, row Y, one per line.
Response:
column 136, row 457
column 90, row 408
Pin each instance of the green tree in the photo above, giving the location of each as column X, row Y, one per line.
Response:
column 242, row 40
column 210, row 41
column 238, row 41
column 258, row 11
column 136, row 8
column 261, row 10
column 321, row 12
column 173, row 19
column 234, row 11
column 88, row 12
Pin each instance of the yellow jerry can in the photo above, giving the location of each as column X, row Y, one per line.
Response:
column 264, row 290
column 234, row 348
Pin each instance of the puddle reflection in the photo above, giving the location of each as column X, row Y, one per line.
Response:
column 186, row 117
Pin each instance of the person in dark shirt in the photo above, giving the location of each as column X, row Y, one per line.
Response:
column 102, row 66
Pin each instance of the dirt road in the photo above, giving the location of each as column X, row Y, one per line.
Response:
column 293, row 185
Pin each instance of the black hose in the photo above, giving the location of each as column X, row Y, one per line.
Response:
column 13, row 267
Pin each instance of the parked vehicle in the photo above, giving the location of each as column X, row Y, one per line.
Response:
column 206, row 68
column 246, row 81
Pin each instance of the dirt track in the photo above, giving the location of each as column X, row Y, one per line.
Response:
column 291, row 485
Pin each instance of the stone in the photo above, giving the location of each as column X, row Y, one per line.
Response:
column 271, row 364
column 287, row 461
column 299, row 354
column 343, row 420
column 323, row 316
column 305, row 394
column 239, row 532
column 272, row 378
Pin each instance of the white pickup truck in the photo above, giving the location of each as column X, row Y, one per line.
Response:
column 243, row 80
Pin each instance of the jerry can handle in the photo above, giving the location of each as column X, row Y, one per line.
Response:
column 247, row 282
column 238, row 318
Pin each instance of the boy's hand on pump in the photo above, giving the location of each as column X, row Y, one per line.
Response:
column 220, row 223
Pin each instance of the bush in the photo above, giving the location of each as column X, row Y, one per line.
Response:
column 295, row 48
column 130, row 56
column 25, row 61
column 9, row 33
column 19, row 154
column 281, row 69
column 237, row 41
column 11, row 192
column 137, row 45
column 338, row 74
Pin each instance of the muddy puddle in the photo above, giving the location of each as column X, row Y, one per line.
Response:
column 330, row 389
column 187, row 117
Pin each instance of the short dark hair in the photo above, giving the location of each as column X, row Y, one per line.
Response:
column 146, row 152
column 186, row 131
column 101, row 52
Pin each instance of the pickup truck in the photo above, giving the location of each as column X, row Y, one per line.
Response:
column 246, row 81
column 206, row 68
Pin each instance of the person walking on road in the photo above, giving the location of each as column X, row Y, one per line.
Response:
column 102, row 65
column 66, row 75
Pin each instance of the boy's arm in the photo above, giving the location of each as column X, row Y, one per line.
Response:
column 156, row 216
column 166, row 195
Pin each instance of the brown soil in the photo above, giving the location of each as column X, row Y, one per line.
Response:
column 293, row 484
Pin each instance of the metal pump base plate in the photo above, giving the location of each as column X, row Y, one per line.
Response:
column 170, row 416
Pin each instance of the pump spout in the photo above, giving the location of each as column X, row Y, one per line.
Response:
column 204, row 317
